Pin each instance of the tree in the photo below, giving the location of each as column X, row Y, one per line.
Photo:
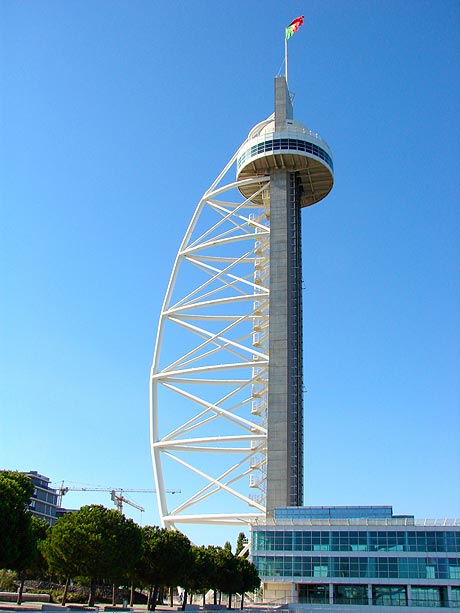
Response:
column 235, row 575
column 166, row 560
column 248, row 578
column 31, row 562
column 241, row 544
column 227, row 570
column 202, row 574
column 94, row 542
column 15, row 519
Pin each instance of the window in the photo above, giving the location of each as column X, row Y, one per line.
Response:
column 389, row 595
column 320, row 570
column 454, row 568
column 297, row 566
column 430, row 571
column 421, row 541
column 450, row 542
column 314, row 594
column 427, row 596
column 350, row 594
column 455, row 602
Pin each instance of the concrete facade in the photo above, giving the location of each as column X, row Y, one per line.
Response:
column 285, row 406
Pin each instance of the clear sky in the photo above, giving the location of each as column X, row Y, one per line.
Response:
column 116, row 116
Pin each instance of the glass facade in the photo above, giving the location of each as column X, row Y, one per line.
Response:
column 299, row 513
column 331, row 556
column 315, row 594
column 389, row 595
column 350, row 594
column 429, row 597
column 285, row 145
column 358, row 567
column 455, row 597
column 357, row 540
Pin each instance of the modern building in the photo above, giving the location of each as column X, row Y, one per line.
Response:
column 45, row 499
column 363, row 558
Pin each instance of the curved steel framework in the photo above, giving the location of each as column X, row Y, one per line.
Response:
column 209, row 375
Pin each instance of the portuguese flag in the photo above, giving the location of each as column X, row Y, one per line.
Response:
column 294, row 26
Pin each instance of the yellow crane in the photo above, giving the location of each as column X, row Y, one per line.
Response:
column 115, row 494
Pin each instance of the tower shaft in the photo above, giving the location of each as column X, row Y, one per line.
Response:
column 285, row 400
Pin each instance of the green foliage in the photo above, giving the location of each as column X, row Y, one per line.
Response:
column 240, row 544
column 93, row 542
column 234, row 575
column 37, row 566
column 166, row 557
column 72, row 597
column 15, row 520
column 248, row 578
column 8, row 580
column 226, row 566
column 202, row 574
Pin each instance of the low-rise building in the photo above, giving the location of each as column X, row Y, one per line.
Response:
column 45, row 500
column 347, row 558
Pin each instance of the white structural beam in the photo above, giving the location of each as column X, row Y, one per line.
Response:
column 209, row 376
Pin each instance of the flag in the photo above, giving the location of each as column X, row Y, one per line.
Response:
column 294, row 26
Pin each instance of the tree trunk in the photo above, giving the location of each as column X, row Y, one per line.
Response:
column 215, row 596
column 114, row 594
column 21, row 589
column 184, row 600
column 229, row 601
column 153, row 603
column 149, row 599
column 171, row 597
column 66, row 589
column 204, row 599
column 92, row 592
column 242, row 600
column 131, row 596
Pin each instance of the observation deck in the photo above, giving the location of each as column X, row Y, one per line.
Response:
column 293, row 148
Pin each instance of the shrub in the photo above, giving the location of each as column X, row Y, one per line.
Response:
column 8, row 580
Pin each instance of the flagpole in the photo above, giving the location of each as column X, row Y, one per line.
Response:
column 286, row 58
column 290, row 30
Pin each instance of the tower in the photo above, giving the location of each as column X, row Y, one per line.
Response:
column 226, row 379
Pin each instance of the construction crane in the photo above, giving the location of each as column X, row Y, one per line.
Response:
column 119, row 499
column 115, row 495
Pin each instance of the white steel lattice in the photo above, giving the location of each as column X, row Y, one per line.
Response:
column 209, row 374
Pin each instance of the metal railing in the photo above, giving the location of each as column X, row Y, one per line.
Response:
column 368, row 521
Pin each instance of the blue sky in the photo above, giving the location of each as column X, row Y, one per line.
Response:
column 116, row 116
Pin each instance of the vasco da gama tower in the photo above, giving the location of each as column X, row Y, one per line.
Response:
column 226, row 379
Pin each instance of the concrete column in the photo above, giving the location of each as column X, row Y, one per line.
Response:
column 283, row 104
column 449, row 596
column 285, row 400
column 409, row 595
column 278, row 418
